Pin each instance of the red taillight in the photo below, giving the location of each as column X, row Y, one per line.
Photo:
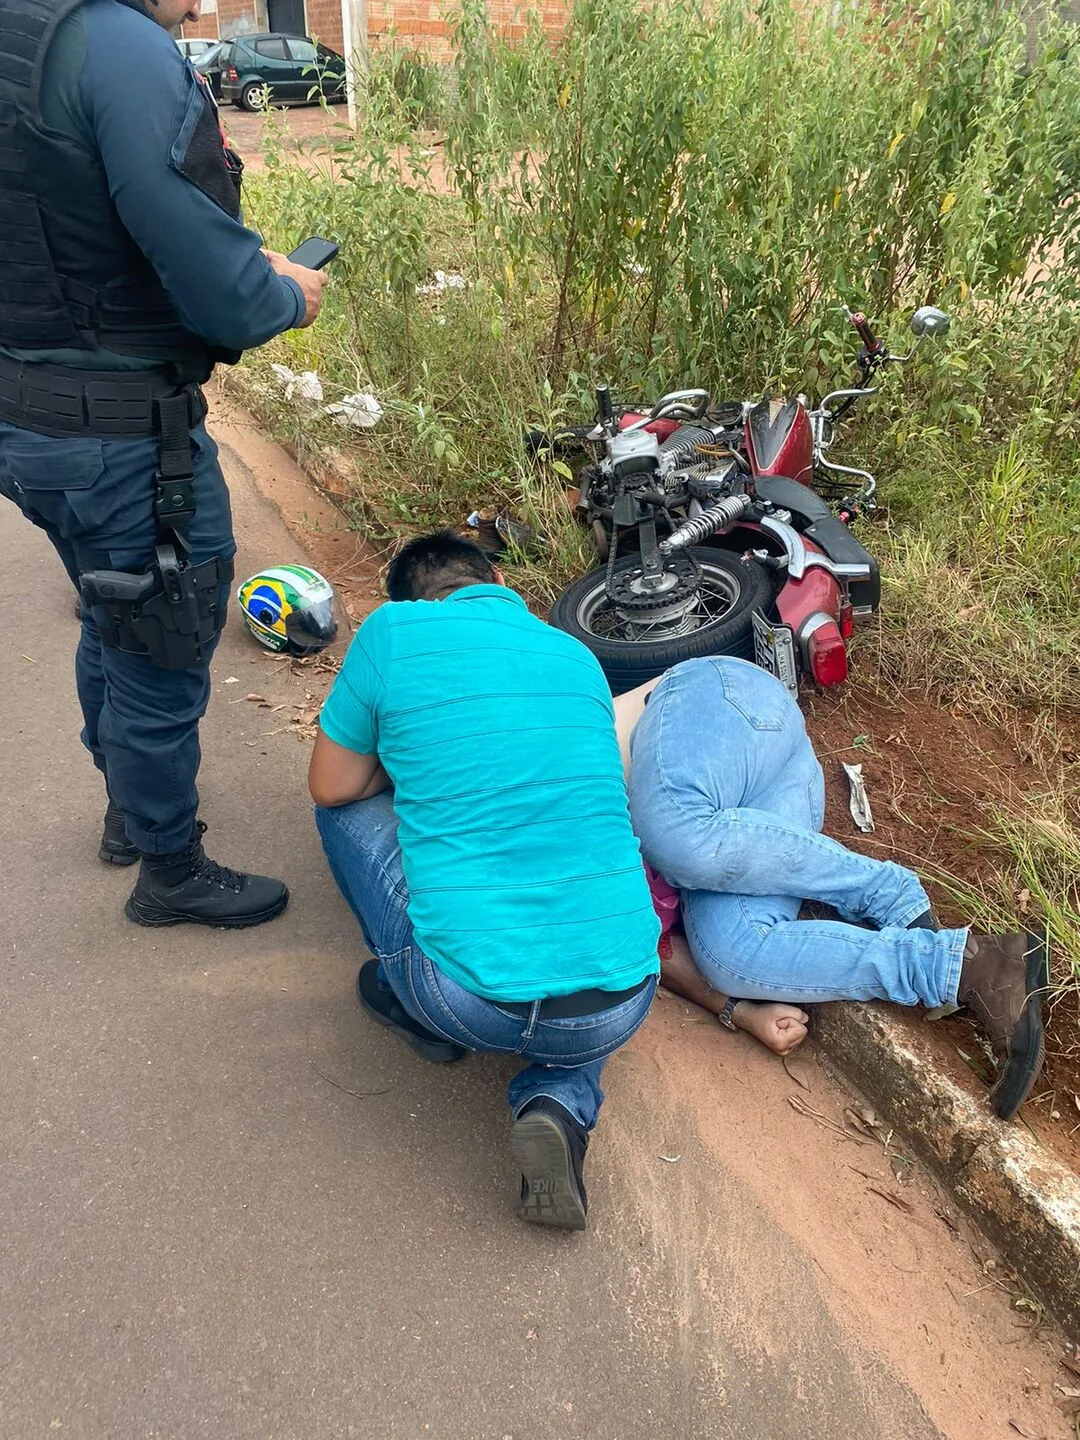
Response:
column 828, row 655
column 847, row 620
column 232, row 73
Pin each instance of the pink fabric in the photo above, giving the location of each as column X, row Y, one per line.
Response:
column 665, row 898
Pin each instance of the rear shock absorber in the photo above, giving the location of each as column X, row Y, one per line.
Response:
column 716, row 517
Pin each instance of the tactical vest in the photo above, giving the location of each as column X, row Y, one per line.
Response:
column 71, row 276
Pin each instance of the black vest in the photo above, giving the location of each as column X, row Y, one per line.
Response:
column 71, row 276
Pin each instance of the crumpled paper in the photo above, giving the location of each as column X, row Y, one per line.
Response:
column 859, row 801
column 305, row 386
column 359, row 410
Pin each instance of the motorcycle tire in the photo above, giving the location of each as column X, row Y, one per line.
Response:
column 743, row 586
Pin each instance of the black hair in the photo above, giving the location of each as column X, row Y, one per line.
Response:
column 432, row 566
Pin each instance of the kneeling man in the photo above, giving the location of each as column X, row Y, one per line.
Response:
column 499, row 884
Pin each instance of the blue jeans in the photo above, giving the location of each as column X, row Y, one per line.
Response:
column 567, row 1055
column 728, row 799
column 94, row 500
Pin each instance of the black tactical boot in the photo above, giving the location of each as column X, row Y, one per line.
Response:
column 549, row 1146
column 189, row 886
column 116, row 848
column 1002, row 982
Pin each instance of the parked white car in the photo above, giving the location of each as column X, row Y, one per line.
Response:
column 193, row 49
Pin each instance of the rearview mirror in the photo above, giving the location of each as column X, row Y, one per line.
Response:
column 928, row 320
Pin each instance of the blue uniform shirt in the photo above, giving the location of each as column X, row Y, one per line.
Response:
column 525, row 878
column 117, row 83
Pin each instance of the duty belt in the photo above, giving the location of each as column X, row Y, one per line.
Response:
column 172, row 611
column 60, row 401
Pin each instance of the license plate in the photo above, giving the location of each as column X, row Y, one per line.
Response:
column 774, row 650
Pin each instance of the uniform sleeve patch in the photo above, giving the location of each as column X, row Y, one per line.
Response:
column 198, row 153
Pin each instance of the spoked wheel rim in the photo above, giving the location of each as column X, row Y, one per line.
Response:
column 717, row 595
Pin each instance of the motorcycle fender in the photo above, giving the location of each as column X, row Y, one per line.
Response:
column 801, row 601
column 830, row 546
column 836, row 541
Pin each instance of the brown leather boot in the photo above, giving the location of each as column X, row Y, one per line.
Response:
column 1002, row 982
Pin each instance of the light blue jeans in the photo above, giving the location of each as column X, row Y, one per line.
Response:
column 728, row 799
column 567, row 1055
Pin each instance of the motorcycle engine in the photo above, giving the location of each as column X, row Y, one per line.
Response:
column 713, row 482
column 633, row 458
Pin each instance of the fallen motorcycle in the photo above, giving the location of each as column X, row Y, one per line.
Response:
column 724, row 528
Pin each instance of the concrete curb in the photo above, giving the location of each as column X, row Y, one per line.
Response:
column 1018, row 1194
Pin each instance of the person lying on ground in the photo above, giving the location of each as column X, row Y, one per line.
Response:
column 728, row 800
column 779, row 1027
column 500, row 886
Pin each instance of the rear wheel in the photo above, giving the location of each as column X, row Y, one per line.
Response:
column 707, row 610
column 252, row 95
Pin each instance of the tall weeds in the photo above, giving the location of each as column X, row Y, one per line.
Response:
column 680, row 193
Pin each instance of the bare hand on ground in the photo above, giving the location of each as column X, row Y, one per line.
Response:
column 779, row 1027
column 311, row 282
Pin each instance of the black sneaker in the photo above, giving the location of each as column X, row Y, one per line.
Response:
column 383, row 1006
column 549, row 1146
column 191, row 888
column 116, row 848
column 926, row 921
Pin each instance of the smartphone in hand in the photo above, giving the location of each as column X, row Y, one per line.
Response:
column 313, row 254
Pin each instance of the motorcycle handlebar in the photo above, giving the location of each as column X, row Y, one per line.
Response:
column 866, row 335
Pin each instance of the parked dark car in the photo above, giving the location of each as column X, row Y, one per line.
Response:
column 289, row 67
column 210, row 65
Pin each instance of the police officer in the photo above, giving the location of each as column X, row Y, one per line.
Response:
column 127, row 273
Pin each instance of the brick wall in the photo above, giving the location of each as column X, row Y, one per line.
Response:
column 417, row 24
column 324, row 22
column 205, row 28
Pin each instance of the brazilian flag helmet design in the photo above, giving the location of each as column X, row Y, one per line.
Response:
column 289, row 608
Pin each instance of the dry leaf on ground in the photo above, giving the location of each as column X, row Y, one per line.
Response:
column 855, row 1120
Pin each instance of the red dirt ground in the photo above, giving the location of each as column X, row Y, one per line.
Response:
column 929, row 772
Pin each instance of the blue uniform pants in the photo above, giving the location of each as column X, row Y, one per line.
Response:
column 728, row 798
column 94, row 500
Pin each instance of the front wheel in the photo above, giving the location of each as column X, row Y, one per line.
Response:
column 707, row 610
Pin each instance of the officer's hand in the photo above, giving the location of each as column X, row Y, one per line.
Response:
column 311, row 282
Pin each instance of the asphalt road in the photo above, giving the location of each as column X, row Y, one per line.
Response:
column 233, row 1208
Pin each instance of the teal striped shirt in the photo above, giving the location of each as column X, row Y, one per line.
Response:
column 525, row 878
